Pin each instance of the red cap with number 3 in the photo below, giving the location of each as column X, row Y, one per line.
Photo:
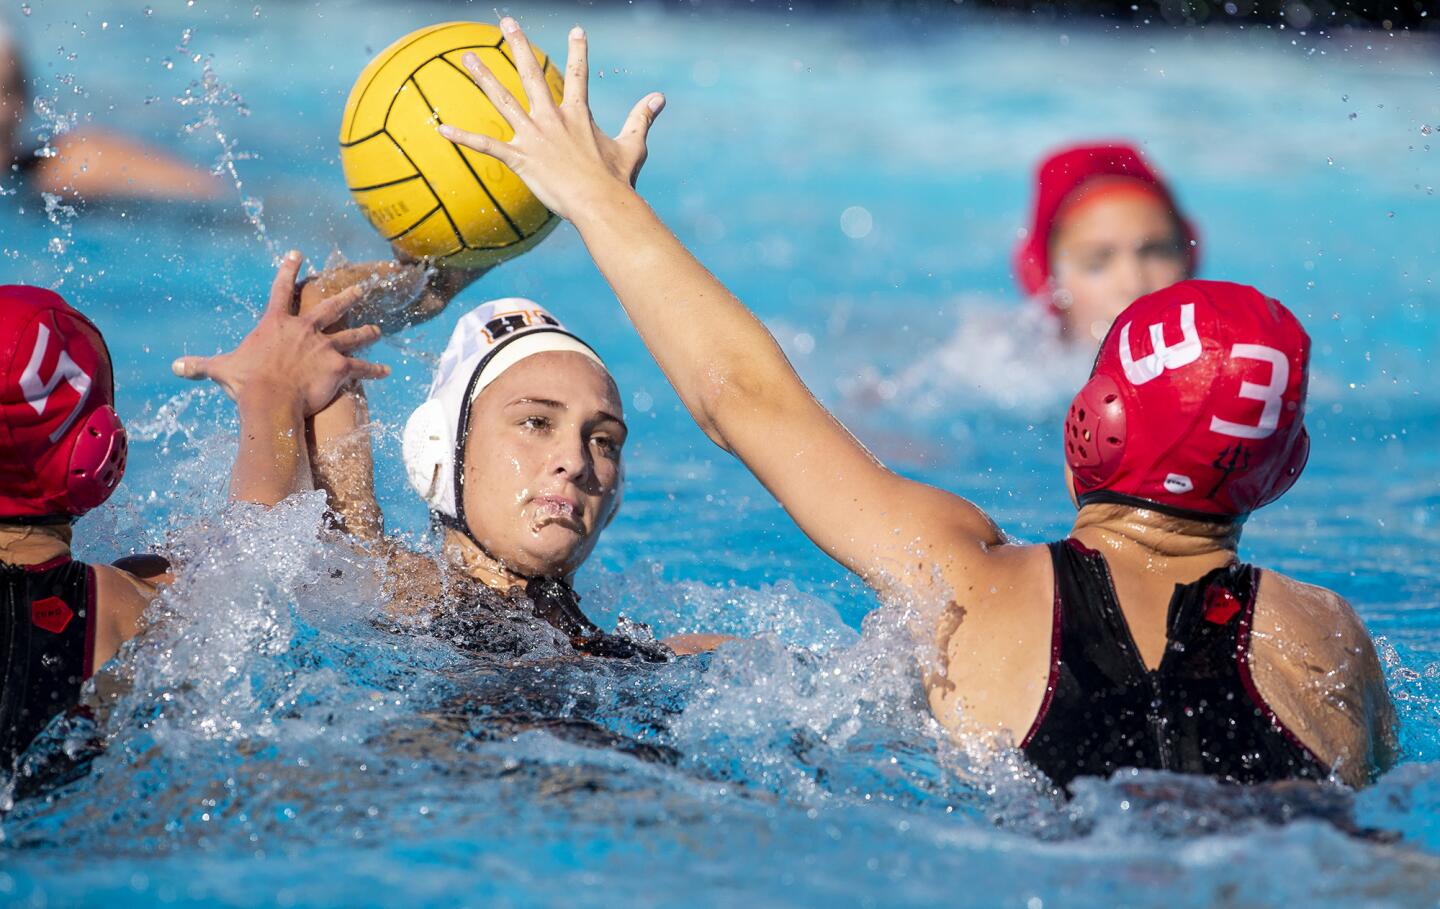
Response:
column 1196, row 404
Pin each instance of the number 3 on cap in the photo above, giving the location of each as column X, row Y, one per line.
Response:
column 1269, row 395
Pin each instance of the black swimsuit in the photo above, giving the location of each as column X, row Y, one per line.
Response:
column 499, row 624
column 1198, row 712
column 47, row 646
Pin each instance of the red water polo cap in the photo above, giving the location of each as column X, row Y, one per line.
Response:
column 1063, row 173
column 1196, row 405
column 62, row 447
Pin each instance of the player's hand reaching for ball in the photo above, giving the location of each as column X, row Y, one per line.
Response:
column 289, row 358
column 565, row 159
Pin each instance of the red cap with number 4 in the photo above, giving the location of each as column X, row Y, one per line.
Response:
column 1196, row 404
column 62, row 448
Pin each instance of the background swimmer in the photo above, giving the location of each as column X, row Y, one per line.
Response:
column 1172, row 444
column 89, row 163
column 1105, row 231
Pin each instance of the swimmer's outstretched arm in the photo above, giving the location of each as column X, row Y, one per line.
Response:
column 286, row 369
column 98, row 164
column 729, row 371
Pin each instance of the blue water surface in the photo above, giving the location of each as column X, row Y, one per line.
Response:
column 858, row 179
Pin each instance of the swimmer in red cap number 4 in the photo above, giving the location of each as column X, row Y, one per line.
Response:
column 1105, row 230
column 62, row 453
column 1141, row 640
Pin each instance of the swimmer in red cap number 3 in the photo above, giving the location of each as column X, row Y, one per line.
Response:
column 1105, row 230
column 62, row 453
column 1140, row 640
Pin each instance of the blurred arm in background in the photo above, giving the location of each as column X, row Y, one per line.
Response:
column 91, row 163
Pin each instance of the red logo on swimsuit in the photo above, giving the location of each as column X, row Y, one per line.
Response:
column 1220, row 606
column 51, row 614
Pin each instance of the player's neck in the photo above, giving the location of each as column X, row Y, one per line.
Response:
column 25, row 544
column 1141, row 534
column 481, row 565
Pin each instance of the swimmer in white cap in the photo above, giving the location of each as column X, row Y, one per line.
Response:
column 88, row 163
column 516, row 451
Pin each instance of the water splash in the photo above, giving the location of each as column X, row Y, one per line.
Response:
column 56, row 122
column 211, row 100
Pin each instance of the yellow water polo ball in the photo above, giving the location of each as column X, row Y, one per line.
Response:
column 427, row 195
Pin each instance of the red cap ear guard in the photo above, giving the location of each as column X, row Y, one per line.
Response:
column 97, row 460
column 1095, row 433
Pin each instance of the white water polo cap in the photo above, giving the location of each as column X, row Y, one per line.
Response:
column 487, row 341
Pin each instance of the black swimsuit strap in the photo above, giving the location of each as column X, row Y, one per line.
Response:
column 556, row 602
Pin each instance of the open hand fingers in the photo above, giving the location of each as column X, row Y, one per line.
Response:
column 637, row 129
column 485, row 145
column 577, row 71
column 192, row 367
column 332, row 309
column 532, row 76
column 355, row 338
column 513, row 112
column 282, row 291
column 364, row 369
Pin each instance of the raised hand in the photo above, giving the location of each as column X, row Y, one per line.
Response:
column 565, row 159
column 290, row 358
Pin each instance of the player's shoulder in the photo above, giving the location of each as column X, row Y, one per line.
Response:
column 1310, row 612
column 133, row 576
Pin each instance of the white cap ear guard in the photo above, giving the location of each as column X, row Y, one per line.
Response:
column 429, row 450
column 486, row 341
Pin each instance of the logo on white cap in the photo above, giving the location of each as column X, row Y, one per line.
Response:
column 486, row 341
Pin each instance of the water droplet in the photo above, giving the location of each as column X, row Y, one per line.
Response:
column 167, row 63
column 149, row 11
column 1353, row 115
column 856, row 222
column 25, row 9
column 1426, row 130
column 1330, row 161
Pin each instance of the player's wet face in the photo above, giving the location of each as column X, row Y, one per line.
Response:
column 542, row 462
column 1107, row 252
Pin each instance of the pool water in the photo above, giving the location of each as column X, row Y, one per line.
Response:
column 858, row 179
